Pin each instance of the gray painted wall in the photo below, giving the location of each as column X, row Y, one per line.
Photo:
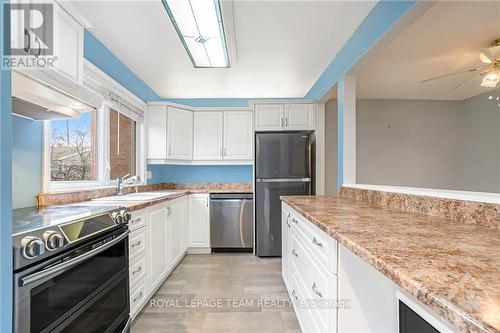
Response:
column 408, row 143
column 435, row 144
column 481, row 145
column 331, row 147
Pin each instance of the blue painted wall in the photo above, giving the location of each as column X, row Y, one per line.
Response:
column 382, row 17
column 199, row 173
column 26, row 161
column 5, row 183
column 95, row 52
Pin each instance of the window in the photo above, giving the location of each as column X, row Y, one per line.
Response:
column 122, row 145
column 73, row 149
column 104, row 143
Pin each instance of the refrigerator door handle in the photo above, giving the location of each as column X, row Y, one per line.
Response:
column 283, row 180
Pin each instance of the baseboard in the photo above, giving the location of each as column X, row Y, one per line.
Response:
column 199, row 250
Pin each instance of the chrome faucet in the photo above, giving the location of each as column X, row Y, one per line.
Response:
column 120, row 182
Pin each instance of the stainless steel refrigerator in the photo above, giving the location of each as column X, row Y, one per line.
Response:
column 283, row 166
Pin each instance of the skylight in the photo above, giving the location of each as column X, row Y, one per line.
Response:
column 200, row 28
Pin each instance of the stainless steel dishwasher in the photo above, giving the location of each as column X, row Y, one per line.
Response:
column 231, row 221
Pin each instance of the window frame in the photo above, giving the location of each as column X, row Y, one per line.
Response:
column 109, row 87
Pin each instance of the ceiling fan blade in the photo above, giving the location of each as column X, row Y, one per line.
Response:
column 465, row 82
column 472, row 70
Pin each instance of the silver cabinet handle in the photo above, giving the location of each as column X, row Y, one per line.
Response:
column 169, row 151
column 295, row 221
column 138, row 297
column 316, row 242
column 206, row 201
column 169, row 211
column 286, row 122
column 222, row 152
column 288, row 220
column 135, row 220
column 136, row 244
column 137, row 270
column 225, row 152
column 295, row 295
column 294, row 253
column 316, row 291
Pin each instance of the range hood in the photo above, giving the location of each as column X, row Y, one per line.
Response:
column 35, row 100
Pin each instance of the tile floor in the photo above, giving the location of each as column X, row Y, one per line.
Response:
column 220, row 293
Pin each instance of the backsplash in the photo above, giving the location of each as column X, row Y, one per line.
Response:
column 479, row 213
column 69, row 197
column 199, row 173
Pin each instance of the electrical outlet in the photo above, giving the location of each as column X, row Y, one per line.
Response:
column 149, row 174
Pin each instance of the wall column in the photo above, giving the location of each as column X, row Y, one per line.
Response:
column 5, row 181
column 346, row 130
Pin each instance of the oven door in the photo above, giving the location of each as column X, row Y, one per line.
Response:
column 47, row 296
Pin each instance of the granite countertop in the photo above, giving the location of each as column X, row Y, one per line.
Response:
column 454, row 268
column 136, row 205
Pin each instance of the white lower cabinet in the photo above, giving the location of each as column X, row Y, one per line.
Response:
column 199, row 222
column 157, row 216
column 138, row 264
column 157, row 242
column 309, row 276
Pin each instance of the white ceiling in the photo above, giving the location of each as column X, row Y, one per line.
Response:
column 446, row 39
column 282, row 46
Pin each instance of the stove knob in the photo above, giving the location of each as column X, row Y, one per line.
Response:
column 117, row 217
column 126, row 216
column 53, row 240
column 32, row 247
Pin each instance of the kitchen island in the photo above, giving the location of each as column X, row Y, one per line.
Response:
column 452, row 268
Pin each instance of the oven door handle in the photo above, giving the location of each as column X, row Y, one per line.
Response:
column 127, row 326
column 70, row 263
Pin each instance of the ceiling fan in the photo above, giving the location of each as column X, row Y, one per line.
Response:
column 490, row 71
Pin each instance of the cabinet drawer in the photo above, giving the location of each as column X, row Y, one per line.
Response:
column 137, row 242
column 138, row 295
column 137, row 220
column 320, row 243
column 300, row 303
column 137, row 268
column 316, row 283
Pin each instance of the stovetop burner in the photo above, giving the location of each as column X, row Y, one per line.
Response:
column 33, row 218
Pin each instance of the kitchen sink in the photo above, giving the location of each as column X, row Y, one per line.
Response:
column 141, row 196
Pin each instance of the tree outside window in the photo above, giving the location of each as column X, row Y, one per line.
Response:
column 73, row 149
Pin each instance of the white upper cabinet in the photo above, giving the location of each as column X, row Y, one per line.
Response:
column 284, row 117
column 179, row 134
column 299, row 117
column 157, row 131
column 238, row 135
column 208, row 135
column 199, row 137
column 269, row 117
column 68, row 46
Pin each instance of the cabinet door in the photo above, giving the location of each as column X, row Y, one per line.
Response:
column 157, row 132
column 269, row 117
column 199, row 221
column 175, row 234
column 185, row 224
column 68, row 46
column 238, row 134
column 299, row 117
column 207, row 135
column 157, row 243
column 179, row 134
